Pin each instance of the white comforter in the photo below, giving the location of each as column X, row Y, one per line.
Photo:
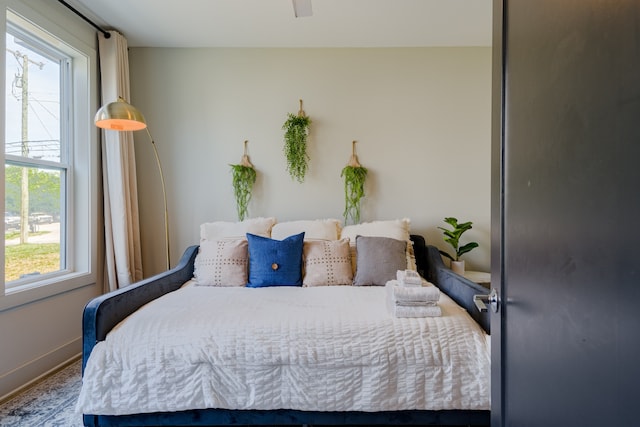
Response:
column 315, row 349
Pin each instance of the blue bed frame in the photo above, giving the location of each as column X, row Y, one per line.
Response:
column 103, row 313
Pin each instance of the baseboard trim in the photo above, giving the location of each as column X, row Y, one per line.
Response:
column 28, row 374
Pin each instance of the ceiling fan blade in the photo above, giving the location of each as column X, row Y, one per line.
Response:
column 302, row 8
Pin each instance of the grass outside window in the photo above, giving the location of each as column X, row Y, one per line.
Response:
column 30, row 258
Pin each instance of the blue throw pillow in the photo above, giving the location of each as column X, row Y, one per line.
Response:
column 275, row 262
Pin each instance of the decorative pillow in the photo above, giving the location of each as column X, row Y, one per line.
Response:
column 398, row 229
column 379, row 259
column 275, row 262
column 236, row 230
column 327, row 262
column 221, row 263
column 325, row 229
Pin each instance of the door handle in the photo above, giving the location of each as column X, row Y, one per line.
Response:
column 481, row 301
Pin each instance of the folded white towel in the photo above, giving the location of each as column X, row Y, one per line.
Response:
column 409, row 278
column 401, row 294
column 416, row 311
column 413, row 303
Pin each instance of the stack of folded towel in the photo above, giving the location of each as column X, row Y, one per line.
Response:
column 406, row 299
column 408, row 278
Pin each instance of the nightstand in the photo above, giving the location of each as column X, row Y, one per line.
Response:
column 480, row 277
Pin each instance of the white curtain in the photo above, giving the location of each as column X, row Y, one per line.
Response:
column 121, row 219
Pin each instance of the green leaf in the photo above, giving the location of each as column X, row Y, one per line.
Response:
column 354, row 179
column 452, row 237
column 450, row 234
column 464, row 227
column 243, row 179
column 443, row 253
column 451, row 221
column 466, row 248
column 453, row 242
column 295, row 147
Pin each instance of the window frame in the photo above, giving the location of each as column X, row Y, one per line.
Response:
column 82, row 161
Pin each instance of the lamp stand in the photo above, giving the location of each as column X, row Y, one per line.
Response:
column 164, row 196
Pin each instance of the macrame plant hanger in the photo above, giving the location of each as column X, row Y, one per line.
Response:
column 245, row 157
column 353, row 161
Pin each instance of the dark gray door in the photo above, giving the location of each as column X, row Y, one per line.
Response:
column 566, row 213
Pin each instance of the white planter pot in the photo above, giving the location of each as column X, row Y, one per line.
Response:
column 458, row 267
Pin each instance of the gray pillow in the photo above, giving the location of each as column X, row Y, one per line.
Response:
column 378, row 260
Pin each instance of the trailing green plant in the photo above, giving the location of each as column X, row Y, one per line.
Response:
column 354, row 178
column 453, row 238
column 295, row 144
column 244, row 176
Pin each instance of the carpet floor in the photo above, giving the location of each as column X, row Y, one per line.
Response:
column 49, row 403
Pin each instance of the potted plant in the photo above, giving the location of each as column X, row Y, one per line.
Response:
column 453, row 238
column 244, row 176
column 354, row 177
column 295, row 144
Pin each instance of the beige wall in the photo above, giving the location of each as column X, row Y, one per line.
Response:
column 421, row 117
column 38, row 337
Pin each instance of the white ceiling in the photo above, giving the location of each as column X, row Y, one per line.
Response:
column 271, row 23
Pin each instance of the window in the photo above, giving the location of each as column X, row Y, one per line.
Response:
column 36, row 157
column 49, row 161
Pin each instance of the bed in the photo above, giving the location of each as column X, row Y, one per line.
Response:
column 332, row 367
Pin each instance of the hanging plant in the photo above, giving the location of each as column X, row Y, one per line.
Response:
column 244, row 176
column 295, row 144
column 354, row 177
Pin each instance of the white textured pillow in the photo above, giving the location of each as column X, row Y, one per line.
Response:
column 398, row 229
column 222, row 263
column 324, row 229
column 327, row 262
column 236, row 230
column 395, row 228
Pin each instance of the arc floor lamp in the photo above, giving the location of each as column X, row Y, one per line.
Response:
column 122, row 116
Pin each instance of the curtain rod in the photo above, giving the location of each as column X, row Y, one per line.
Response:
column 93, row 24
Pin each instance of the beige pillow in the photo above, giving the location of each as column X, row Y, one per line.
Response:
column 222, row 263
column 236, row 230
column 398, row 229
column 327, row 262
column 324, row 229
